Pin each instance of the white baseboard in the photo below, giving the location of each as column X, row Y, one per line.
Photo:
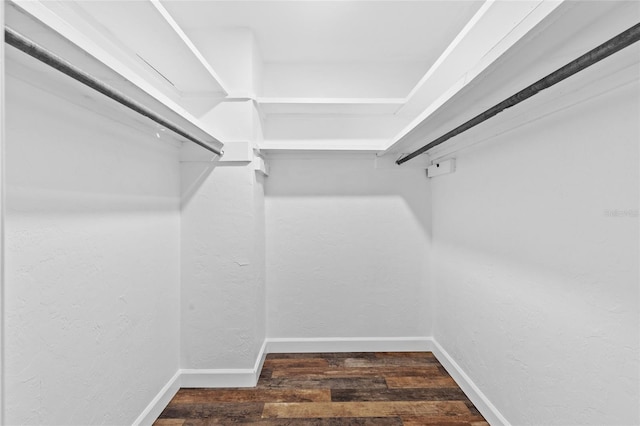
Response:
column 224, row 378
column 157, row 405
column 257, row 367
column 201, row 378
column 348, row 344
column 217, row 378
column 473, row 392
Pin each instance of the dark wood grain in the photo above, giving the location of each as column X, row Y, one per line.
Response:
column 365, row 409
column 444, row 421
column 346, row 372
column 328, row 356
column 421, row 355
column 203, row 396
column 369, row 389
column 414, row 382
column 387, row 362
column 323, row 383
column 229, row 411
column 428, row 394
column 352, row 421
column 296, row 363
column 170, row 422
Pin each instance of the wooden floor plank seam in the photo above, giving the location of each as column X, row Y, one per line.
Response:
column 329, row 389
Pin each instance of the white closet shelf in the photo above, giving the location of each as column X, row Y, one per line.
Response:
column 495, row 29
column 348, row 106
column 323, row 145
column 149, row 35
column 41, row 25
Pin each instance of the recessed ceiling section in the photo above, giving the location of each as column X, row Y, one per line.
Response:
column 335, row 31
column 328, row 70
column 332, row 49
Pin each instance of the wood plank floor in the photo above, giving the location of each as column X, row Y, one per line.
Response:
column 391, row 388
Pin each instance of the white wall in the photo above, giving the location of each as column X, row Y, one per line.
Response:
column 347, row 249
column 223, row 229
column 231, row 53
column 536, row 283
column 92, row 263
column 223, row 272
column 351, row 129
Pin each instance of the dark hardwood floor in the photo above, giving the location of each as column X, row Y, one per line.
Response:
column 399, row 388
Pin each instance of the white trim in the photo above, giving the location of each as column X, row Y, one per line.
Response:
column 187, row 41
column 262, row 355
column 473, row 392
column 319, row 106
column 248, row 377
column 157, row 404
column 218, row 378
column 331, row 101
column 224, row 378
column 322, row 145
column 503, row 38
column 456, row 41
column 201, row 378
column 348, row 344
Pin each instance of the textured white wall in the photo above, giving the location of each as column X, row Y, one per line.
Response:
column 222, row 266
column 347, row 249
column 223, row 228
column 92, row 265
column 333, row 129
column 536, row 283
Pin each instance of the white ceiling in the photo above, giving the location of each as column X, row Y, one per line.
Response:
column 334, row 31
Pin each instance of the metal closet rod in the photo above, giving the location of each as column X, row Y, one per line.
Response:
column 29, row 47
column 611, row 46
